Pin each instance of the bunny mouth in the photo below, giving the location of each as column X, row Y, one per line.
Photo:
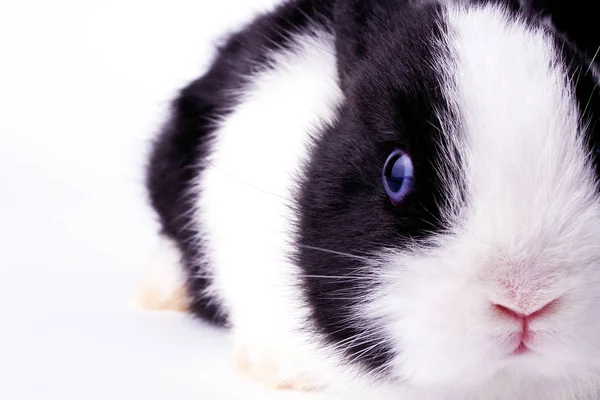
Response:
column 522, row 349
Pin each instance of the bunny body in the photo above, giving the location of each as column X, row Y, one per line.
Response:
column 483, row 283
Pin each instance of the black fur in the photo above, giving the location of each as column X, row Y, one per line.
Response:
column 385, row 54
column 392, row 95
column 578, row 19
column 385, row 59
column 178, row 153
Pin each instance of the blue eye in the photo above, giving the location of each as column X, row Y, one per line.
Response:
column 398, row 176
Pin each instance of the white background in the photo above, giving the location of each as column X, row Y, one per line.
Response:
column 83, row 87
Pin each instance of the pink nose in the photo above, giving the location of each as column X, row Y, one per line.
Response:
column 508, row 312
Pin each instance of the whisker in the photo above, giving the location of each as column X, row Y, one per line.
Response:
column 365, row 351
column 339, row 253
column 589, row 101
column 241, row 180
column 593, row 59
column 353, row 339
column 344, row 277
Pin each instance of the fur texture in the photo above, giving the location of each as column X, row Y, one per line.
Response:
column 268, row 175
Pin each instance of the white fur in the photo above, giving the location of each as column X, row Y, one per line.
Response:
column 164, row 282
column 528, row 233
column 248, row 190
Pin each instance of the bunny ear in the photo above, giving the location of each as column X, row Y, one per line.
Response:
column 355, row 25
column 363, row 27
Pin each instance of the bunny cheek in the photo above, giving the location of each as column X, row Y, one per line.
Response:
column 507, row 292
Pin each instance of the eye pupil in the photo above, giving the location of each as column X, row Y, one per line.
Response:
column 398, row 176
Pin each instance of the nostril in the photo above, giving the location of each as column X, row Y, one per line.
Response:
column 508, row 312
column 549, row 308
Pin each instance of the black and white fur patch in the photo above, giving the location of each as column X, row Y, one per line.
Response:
column 268, row 179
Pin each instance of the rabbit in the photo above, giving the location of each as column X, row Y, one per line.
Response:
column 390, row 199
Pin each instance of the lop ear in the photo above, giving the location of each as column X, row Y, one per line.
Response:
column 356, row 27
column 364, row 27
